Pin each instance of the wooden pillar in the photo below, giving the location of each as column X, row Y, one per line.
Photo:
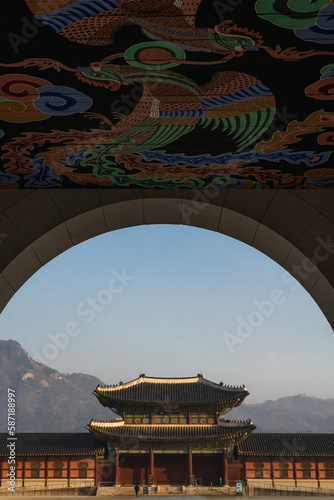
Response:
column 272, row 472
column 217, row 418
column 151, row 468
column 225, row 474
column 69, row 472
column 116, row 467
column 294, row 471
column 97, row 479
column 24, row 459
column 317, row 472
column 152, row 418
column 1, row 471
column 189, row 419
column 46, row 472
column 190, row 465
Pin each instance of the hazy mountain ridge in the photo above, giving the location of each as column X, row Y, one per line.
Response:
column 46, row 400
column 299, row 413
column 49, row 401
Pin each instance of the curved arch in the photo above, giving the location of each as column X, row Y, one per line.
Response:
column 295, row 229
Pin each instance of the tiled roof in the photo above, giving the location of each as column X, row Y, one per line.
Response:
column 170, row 391
column 51, row 444
column 287, row 445
column 169, row 432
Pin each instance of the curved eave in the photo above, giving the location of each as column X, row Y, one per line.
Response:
column 236, row 437
column 290, row 455
column 58, row 454
column 112, row 402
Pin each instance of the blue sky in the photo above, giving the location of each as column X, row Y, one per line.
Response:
column 174, row 301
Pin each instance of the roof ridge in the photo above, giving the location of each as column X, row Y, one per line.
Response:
column 170, row 380
column 114, row 423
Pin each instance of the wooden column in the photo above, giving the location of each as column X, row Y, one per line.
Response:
column 96, row 482
column 151, row 468
column 225, row 475
column 152, row 418
column 190, row 465
column 217, row 418
column 23, row 470
column 294, row 472
column 46, row 472
column 1, row 471
column 116, row 467
column 272, row 472
column 189, row 419
column 317, row 472
column 69, row 471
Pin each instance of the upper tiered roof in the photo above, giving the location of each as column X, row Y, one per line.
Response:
column 168, row 393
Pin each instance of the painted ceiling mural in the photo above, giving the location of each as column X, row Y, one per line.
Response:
column 167, row 93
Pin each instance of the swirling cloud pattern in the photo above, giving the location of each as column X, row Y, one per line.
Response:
column 61, row 101
column 323, row 89
column 24, row 99
column 311, row 21
column 323, row 29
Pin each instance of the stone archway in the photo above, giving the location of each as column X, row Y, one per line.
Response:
column 294, row 228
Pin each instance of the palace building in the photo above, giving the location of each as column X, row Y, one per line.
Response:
column 170, row 430
column 169, row 433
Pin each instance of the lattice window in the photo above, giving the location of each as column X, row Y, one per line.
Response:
column 35, row 465
column 82, row 469
column 329, row 470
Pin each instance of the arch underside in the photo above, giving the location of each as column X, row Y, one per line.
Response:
column 294, row 228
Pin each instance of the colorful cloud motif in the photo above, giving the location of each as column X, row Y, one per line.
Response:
column 25, row 98
column 323, row 89
column 311, row 20
column 61, row 101
column 323, row 29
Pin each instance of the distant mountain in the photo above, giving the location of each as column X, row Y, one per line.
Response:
column 289, row 414
column 47, row 401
